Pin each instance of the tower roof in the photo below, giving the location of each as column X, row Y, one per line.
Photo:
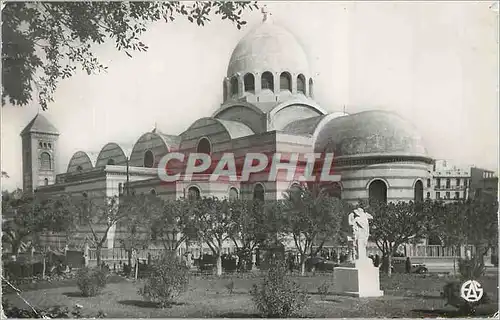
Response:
column 40, row 124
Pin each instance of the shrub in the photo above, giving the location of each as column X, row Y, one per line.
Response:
column 91, row 282
column 168, row 278
column 451, row 293
column 278, row 296
column 323, row 290
column 471, row 268
column 50, row 312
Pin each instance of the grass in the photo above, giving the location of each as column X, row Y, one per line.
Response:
column 404, row 296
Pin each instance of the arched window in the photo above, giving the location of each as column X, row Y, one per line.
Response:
column 50, row 146
column 111, row 162
column 234, row 86
column 419, row 191
column 311, row 88
column 79, row 168
column 428, row 183
column 120, row 188
column 258, row 192
column 204, row 146
column 377, row 191
column 152, row 192
column 193, row 193
column 45, row 145
column 45, row 161
column 285, row 81
column 149, row 159
column 40, row 145
column 267, row 81
column 301, row 84
column 233, row 194
column 428, row 195
column 249, row 81
column 46, row 181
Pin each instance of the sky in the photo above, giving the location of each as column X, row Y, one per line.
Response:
column 435, row 64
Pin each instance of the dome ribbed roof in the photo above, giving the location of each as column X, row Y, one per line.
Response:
column 370, row 133
column 268, row 47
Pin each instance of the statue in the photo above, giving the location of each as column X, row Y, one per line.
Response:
column 362, row 280
column 361, row 230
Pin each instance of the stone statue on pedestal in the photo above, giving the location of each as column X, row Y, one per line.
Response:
column 362, row 280
column 359, row 220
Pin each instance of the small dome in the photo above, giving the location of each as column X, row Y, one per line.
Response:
column 370, row 133
column 268, row 48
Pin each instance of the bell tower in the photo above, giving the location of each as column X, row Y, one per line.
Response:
column 39, row 146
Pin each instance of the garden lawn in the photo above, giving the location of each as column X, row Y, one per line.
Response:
column 404, row 296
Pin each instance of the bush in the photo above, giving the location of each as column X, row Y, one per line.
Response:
column 471, row 268
column 451, row 293
column 168, row 278
column 51, row 312
column 323, row 290
column 91, row 282
column 278, row 296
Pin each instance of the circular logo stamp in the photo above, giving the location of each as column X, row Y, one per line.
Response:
column 471, row 291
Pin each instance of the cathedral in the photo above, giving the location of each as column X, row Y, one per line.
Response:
column 268, row 106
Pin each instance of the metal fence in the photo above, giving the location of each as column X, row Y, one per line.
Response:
column 120, row 254
column 436, row 251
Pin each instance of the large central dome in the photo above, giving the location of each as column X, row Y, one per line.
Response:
column 268, row 48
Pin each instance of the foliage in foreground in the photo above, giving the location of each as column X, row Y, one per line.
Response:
column 91, row 282
column 50, row 312
column 471, row 268
column 44, row 42
column 169, row 278
column 277, row 296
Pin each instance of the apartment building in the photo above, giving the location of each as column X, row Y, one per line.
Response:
column 449, row 181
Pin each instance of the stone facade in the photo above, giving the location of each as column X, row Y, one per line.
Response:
column 268, row 107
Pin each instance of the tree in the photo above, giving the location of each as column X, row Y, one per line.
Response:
column 395, row 224
column 249, row 227
column 174, row 224
column 138, row 212
column 22, row 218
column 470, row 222
column 5, row 174
column 27, row 217
column 97, row 216
column 57, row 217
column 213, row 222
column 312, row 218
column 44, row 42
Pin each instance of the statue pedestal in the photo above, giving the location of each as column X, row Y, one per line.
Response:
column 361, row 281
